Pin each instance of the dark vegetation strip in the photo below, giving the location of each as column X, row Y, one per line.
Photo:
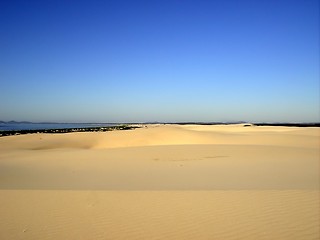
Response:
column 67, row 130
column 253, row 124
column 289, row 124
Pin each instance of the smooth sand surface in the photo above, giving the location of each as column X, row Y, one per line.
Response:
column 162, row 182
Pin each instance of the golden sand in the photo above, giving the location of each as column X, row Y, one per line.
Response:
column 162, row 182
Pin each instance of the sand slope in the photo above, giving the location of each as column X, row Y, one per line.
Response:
column 35, row 214
column 162, row 182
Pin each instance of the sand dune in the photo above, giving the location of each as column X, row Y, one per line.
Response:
column 175, row 167
column 162, row 182
column 169, row 135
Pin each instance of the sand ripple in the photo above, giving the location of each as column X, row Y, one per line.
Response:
column 159, row 215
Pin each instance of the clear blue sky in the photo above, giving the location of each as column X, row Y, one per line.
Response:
column 128, row 61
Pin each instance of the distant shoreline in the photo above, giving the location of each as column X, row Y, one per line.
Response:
column 285, row 124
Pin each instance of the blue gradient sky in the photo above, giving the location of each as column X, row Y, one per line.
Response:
column 128, row 61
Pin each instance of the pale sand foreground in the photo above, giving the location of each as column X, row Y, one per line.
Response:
column 162, row 182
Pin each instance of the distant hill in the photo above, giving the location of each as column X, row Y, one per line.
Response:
column 14, row 122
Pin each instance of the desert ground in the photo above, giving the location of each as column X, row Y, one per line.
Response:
column 162, row 182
